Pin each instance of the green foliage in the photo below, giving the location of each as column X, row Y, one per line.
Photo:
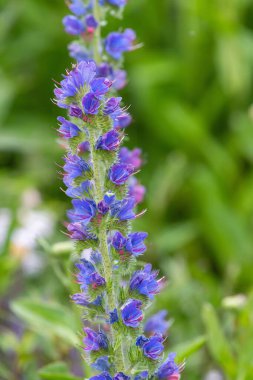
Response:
column 56, row 371
column 190, row 91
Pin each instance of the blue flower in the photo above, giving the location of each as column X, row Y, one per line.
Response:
column 84, row 211
column 96, row 257
column 136, row 190
column 82, row 74
column 109, row 198
column 157, row 323
column 67, row 129
column 78, row 232
column 168, row 368
column 141, row 376
column 119, row 173
column 74, row 166
column 103, row 208
column 73, row 25
column 101, row 376
column 91, row 23
column 121, row 119
column 94, row 341
column 77, row 191
column 121, row 376
column 101, row 364
column 81, row 299
column 152, row 347
column 134, row 243
column 117, row 3
column 118, row 43
column 100, row 86
column 78, row 51
column 132, row 157
column 75, row 111
column 109, row 141
column 113, row 316
column 77, row 7
column 90, row 104
column 111, row 105
column 144, row 281
column 131, row 313
column 118, row 241
column 88, row 276
column 123, row 210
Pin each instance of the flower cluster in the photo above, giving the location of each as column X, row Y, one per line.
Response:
column 100, row 177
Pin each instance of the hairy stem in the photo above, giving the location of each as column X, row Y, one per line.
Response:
column 107, row 263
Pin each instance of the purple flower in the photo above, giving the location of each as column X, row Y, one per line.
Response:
column 117, row 3
column 84, row 147
column 90, row 104
column 152, row 347
column 118, row 43
column 119, row 173
column 75, row 111
column 73, row 25
column 91, row 23
column 141, row 376
column 144, row 282
column 168, row 368
column 118, row 241
column 112, row 105
column 120, row 79
column 84, row 210
column 94, row 341
column 123, row 210
column 109, row 141
column 131, row 313
column 81, row 299
column 121, row 119
column 121, row 376
column 136, row 190
column 132, row 157
column 78, row 232
column 157, row 323
column 113, row 316
column 134, row 243
column 82, row 74
column 101, row 376
column 77, row 191
column 101, row 364
column 78, row 51
column 77, row 7
column 109, row 198
column 67, row 129
column 103, row 208
column 100, row 86
column 88, row 276
column 74, row 166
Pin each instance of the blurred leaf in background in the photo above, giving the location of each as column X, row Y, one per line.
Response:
column 190, row 91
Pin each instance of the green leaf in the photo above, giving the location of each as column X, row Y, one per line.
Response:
column 217, row 342
column 184, row 350
column 47, row 319
column 56, row 371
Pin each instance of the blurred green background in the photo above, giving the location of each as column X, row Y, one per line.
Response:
column 190, row 91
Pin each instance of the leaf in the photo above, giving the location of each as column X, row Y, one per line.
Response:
column 217, row 342
column 56, row 371
column 47, row 318
column 184, row 350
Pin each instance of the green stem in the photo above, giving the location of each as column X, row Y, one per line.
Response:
column 98, row 175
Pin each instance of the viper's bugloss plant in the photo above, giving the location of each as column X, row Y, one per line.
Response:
column 115, row 290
